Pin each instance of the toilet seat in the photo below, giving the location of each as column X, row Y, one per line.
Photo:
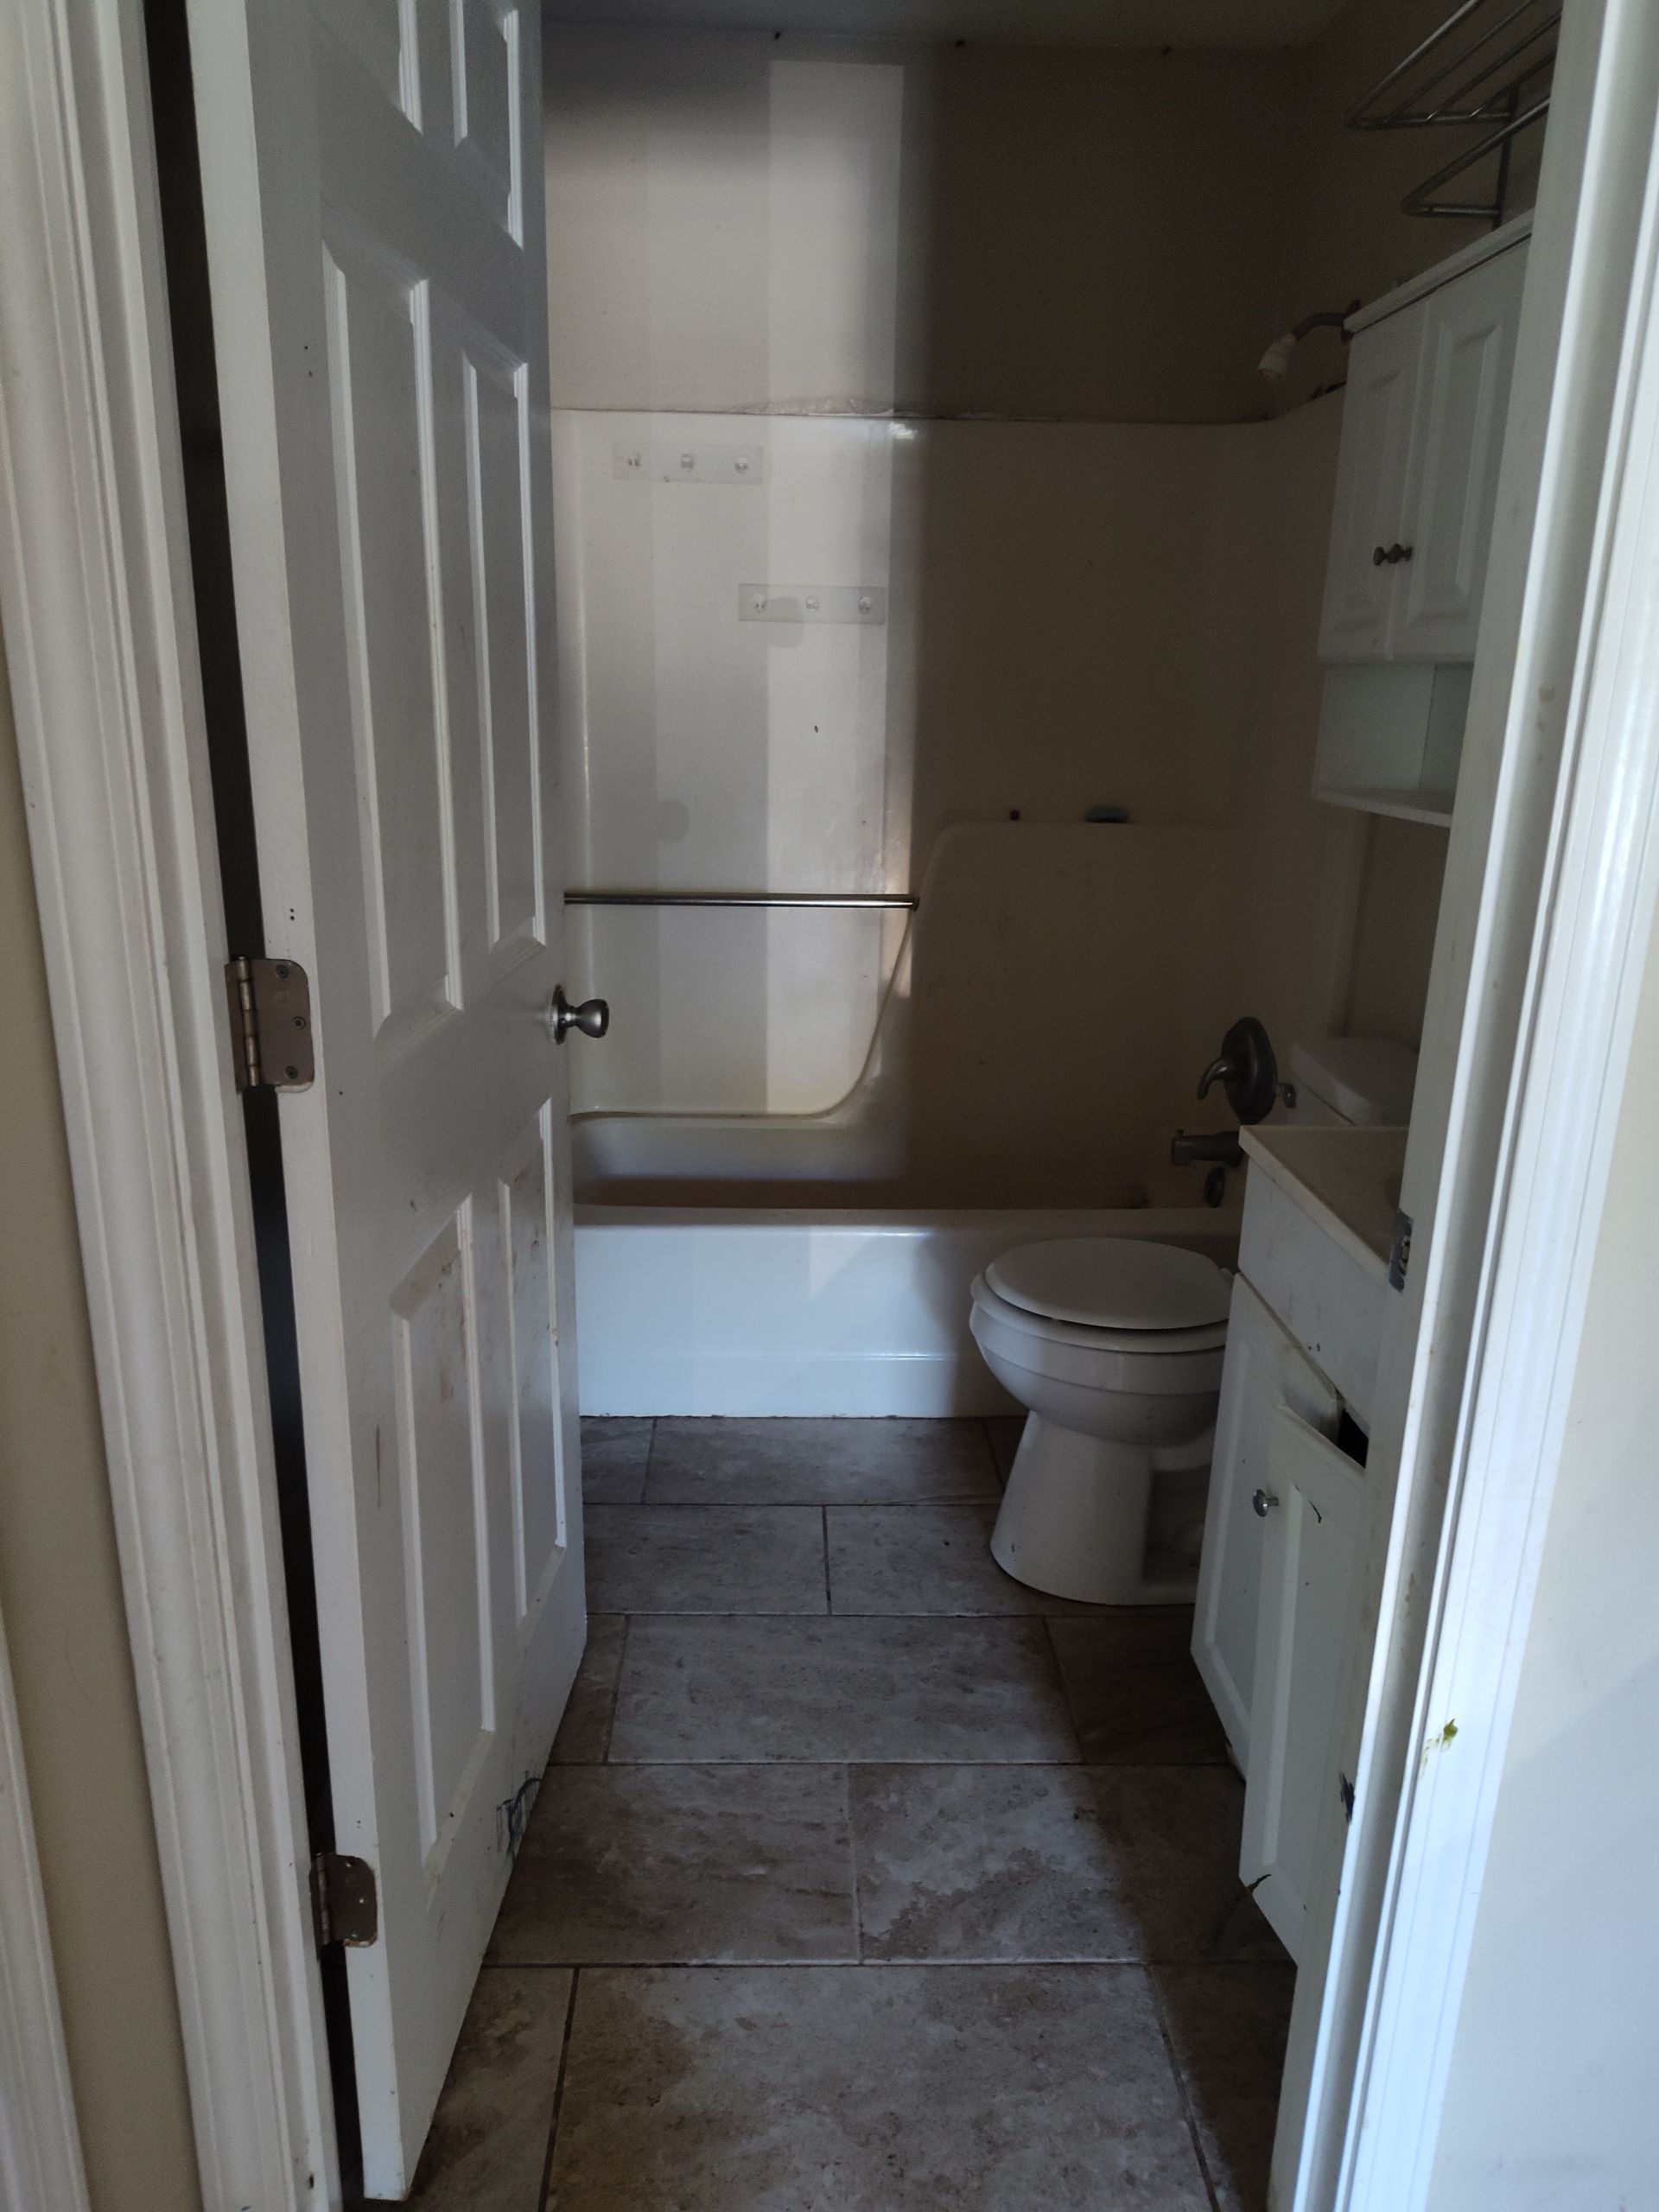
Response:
column 1165, row 1362
column 1114, row 1285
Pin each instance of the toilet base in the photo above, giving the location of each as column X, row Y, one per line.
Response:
column 1073, row 1521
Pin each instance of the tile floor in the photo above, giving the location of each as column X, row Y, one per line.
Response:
column 863, row 1879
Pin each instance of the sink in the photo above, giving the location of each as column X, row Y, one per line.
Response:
column 1347, row 1178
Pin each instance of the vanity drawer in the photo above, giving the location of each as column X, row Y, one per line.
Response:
column 1330, row 1301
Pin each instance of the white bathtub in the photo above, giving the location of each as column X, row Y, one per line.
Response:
column 690, row 1310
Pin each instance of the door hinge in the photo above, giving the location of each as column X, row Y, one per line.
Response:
column 1400, row 1251
column 345, row 1902
column 271, row 1024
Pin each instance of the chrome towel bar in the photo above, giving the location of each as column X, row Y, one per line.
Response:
column 854, row 899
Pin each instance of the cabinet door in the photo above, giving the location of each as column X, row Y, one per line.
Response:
column 1266, row 1368
column 1458, row 439
column 1370, row 487
column 1312, row 1561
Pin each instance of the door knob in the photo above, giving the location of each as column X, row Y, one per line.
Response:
column 592, row 1017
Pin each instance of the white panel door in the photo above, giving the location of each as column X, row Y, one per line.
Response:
column 1359, row 589
column 1266, row 1368
column 373, row 186
column 1312, row 1559
column 1464, row 391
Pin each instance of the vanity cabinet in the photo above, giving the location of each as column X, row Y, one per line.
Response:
column 1313, row 1555
column 1266, row 1368
column 1422, row 433
column 1277, row 1619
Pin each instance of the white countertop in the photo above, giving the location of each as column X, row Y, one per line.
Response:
column 1347, row 1178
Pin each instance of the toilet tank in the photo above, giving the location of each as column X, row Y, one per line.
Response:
column 1364, row 1081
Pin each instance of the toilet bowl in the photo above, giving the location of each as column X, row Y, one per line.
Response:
column 1114, row 1344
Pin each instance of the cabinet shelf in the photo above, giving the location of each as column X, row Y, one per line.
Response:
column 1405, row 806
column 1391, row 738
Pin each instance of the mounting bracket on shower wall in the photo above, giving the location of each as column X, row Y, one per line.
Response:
column 1489, row 61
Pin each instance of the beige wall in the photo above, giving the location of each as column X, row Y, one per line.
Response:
column 1091, row 237
column 60, row 1598
column 1394, row 940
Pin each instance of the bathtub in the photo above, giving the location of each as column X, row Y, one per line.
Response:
column 777, row 1311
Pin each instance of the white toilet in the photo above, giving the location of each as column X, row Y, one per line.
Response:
column 1116, row 1344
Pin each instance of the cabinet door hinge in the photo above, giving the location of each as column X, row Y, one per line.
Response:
column 345, row 1902
column 271, row 1024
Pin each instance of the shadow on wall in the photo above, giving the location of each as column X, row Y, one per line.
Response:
column 980, row 327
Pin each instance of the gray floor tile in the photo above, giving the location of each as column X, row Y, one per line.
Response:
column 706, row 1559
column 853, row 2089
column 586, row 1728
column 881, row 1690
column 1228, row 2025
column 1066, row 1862
column 1135, row 1695
column 819, row 1462
column 632, row 1865
column 1004, row 1430
column 614, row 1455
column 925, row 1558
column 487, row 2150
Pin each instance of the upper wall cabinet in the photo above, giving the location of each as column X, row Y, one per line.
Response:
column 1422, row 431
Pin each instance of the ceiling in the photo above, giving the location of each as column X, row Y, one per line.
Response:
column 998, row 23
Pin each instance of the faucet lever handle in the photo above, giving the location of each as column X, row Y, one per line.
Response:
column 1217, row 1071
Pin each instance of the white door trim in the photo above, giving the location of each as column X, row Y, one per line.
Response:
column 1552, row 892
column 98, row 623
column 40, row 2168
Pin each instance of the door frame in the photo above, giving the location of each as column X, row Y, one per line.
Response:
column 98, row 612
column 98, row 619
column 41, row 2167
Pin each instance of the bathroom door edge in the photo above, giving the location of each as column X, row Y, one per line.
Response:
column 98, row 619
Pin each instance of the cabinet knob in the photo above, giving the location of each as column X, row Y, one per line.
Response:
column 1389, row 555
column 1379, row 555
column 1263, row 1501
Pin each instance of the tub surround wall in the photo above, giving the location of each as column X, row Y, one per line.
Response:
column 818, row 249
column 1075, row 615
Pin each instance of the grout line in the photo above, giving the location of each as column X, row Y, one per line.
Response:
column 644, row 1479
column 979, row 1499
column 828, row 1600
column 1183, row 2089
column 1147, row 1967
column 1063, row 1686
column 558, row 2090
column 990, row 1451
column 852, row 1855
column 604, row 1758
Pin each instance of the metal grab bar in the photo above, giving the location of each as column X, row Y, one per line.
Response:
column 855, row 900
